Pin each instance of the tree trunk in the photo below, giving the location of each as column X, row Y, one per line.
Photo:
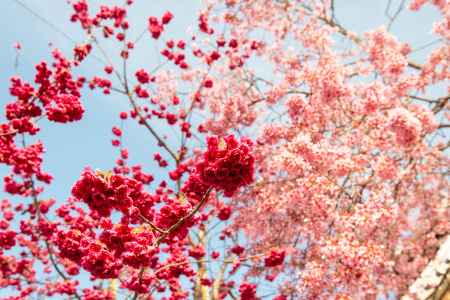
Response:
column 434, row 282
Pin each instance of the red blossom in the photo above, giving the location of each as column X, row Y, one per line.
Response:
column 7, row 239
column 81, row 51
column 167, row 17
column 103, row 194
column 99, row 261
column 247, row 291
column 238, row 250
column 224, row 213
column 65, row 108
column 275, row 258
column 155, row 27
column 227, row 164
column 198, row 252
column 142, row 76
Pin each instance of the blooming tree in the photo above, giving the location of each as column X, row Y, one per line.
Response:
column 325, row 179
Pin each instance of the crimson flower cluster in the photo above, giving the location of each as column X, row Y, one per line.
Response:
column 275, row 258
column 247, row 291
column 65, row 108
column 156, row 27
column 194, row 188
column 56, row 95
column 106, row 255
column 7, row 239
column 227, row 165
column 104, row 193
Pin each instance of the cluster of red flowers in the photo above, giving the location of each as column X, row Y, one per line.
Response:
column 224, row 213
column 57, row 94
column 58, row 91
column 230, row 164
column 66, row 108
column 69, row 244
column 97, row 294
column 247, row 291
column 275, row 258
column 7, row 239
column 227, row 165
column 171, row 213
column 156, row 27
column 178, row 266
column 194, row 188
column 24, row 162
column 171, row 53
column 99, row 261
column 105, row 256
column 142, row 76
column 103, row 193
column 81, row 52
column 115, row 13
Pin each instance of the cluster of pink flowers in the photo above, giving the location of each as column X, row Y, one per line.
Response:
column 406, row 127
column 386, row 53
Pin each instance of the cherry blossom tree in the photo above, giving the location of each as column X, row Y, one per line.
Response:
column 294, row 159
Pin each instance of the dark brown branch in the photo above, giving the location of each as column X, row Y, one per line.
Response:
column 442, row 102
column 184, row 219
column 148, row 222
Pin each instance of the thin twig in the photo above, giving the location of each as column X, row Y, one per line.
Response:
column 47, row 244
column 184, row 219
column 153, row 226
